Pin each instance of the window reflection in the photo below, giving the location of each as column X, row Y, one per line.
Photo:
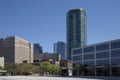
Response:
column 102, row 55
column 102, row 47
column 115, row 45
column 102, row 62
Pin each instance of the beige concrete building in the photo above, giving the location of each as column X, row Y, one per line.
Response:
column 15, row 49
column 2, row 62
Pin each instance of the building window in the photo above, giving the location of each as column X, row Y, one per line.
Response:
column 102, row 55
column 88, row 56
column 89, row 63
column 102, row 62
column 77, row 51
column 102, row 47
column 88, row 49
column 115, row 45
column 115, row 53
column 77, row 58
column 116, row 71
column 115, row 61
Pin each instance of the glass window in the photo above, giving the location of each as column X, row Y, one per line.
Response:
column 102, row 55
column 115, row 61
column 102, row 47
column 89, row 63
column 88, row 56
column 115, row 53
column 102, row 62
column 77, row 51
column 77, row 58
column 89, row 49
column 115, row 45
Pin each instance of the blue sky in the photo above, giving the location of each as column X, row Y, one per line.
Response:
column 44, row 21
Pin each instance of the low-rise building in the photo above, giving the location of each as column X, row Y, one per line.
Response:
column 99, row 59
column 52, row 57
column 66, row 67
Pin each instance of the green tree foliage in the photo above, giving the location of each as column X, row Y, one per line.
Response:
column 19, row 69
column 48, row 67
column 45, row 66
column 54, row 69
column 25, row 69
column 11, row 68
column 79, row 69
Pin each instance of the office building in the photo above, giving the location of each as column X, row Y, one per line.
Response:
column 60, row 47
column 76, row 29
column 16, row 50
column 99, row 59
column 38, row 49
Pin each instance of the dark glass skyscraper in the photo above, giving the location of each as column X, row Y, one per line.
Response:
column 76, row 29
column 60, row 47
column 38, row 49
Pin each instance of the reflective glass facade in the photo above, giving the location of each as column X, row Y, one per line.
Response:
column 88, row 56
column 77, row 58
column 88, row 49
column 60, row 47
column 37, row 48
column 89, row 63
column 115, row 61
column 115, row 53
column 76, row 30
column 99, row 59
column 102, row 62
column 102, row 47
column 115, row 44
column 101, row 55
column 77, row 51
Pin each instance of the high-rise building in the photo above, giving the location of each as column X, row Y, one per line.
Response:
column 16, row 50
column 76, row 29
column 60, row 47
column 37, row 48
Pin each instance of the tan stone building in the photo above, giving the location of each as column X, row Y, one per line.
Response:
column 16, row 50
column 47, row 57
column 2, row 62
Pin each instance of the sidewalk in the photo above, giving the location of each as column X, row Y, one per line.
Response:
column 101, row 77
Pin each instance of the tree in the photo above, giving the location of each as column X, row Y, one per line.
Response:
column 25, row 69
column 79, row 69
column 45, row 66
column 54, row 69
column 11, row 68
column 21, row 69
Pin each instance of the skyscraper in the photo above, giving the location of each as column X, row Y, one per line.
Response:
column 60, row 47
column 76, row 29
column 37, row 48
